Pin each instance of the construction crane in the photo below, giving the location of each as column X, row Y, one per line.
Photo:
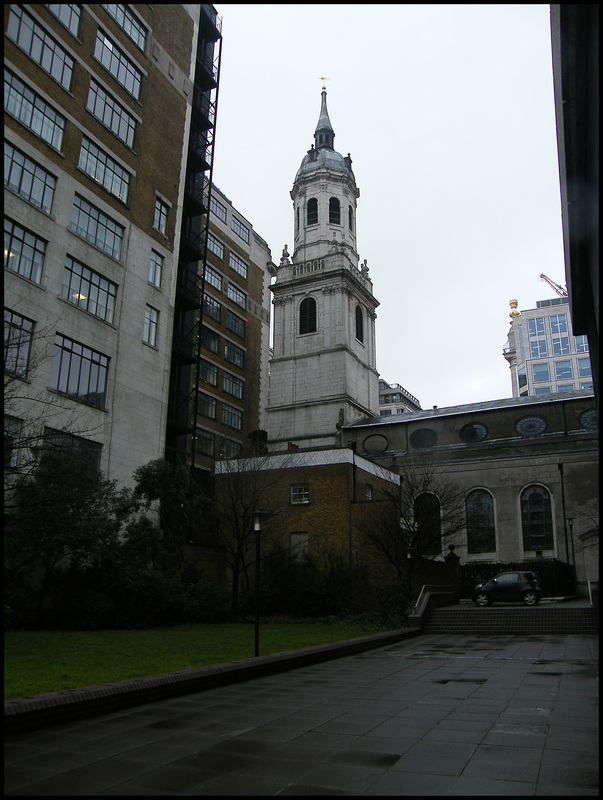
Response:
column 559, row 289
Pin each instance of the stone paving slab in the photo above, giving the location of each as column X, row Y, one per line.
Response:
column 432, row 715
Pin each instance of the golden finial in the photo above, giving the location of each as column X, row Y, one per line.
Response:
column 514, row 312
column 324, row 88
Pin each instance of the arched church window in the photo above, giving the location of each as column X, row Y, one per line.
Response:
column 334, row 211
column 351, row 218
column 479, row 513
column 307, row 315
column 536, row 518
column 312, row 211
column 359, row 324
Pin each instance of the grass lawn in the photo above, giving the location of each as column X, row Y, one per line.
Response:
column 36, row 662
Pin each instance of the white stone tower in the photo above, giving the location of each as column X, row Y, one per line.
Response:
column 322, row 373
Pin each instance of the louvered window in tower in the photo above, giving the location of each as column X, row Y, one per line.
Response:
column 307, row 315
column 359, row 324
column 312, row 211
column 334, row 211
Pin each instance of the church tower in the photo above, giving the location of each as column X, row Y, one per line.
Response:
column 322, row 373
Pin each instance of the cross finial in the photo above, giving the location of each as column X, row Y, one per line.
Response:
column 324, row 88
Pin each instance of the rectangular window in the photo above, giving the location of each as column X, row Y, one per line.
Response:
column 160, row 216
column 151, row 324
column 565, row 387
column 207, row 406
column 537, row 338
column 12, row 434
column 586, row 385
column 23, row 251
column 215, row 246
column 561, row 345
column 67, row 442
column 206, row 443
column 584, row 368
column 233, row 385
column 368, row 495
column 300, row 493
column 100, row 230
column 240, row 229
column 212, row 308
column 208, row 372
column 542, row 390
column 563, row 370
column 68, row 14
column 230, row 449
column 217, row 208
column 104, row 170
column 117, row 64
column 236, row 295
column 235, row 323
column 112, row 115
column 18, row 336
column 234, row 354
column 300, row 545
column 582, row 344
column 210, row 340
column 32, row 111
column 213, row 277
column 233, row 417
column 558, row 323
column 28, row 179
column 88, row 289
column 130, row 24
column 540, row 373
column 79, row 371
column 238, row 265
column 155, row 269
column 40, row 46
column 522, row 377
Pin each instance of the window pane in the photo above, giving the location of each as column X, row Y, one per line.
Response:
column 536, row 519
column 23, row 251
column 479, row 509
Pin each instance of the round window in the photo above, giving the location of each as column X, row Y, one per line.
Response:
column 473, row 432
column 530, row 426
column 588, row 419
column 423, row 437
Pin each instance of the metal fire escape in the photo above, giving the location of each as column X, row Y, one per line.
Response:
column 190, row 288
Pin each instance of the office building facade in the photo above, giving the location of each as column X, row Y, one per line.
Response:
column 395, row 399
column 543, row 354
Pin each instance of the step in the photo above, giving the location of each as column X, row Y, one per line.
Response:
column 492, row 621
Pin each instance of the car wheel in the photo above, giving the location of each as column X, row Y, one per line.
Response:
column 530, row 598
column 482, row 599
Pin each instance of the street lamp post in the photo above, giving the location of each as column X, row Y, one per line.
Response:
column 257, row 527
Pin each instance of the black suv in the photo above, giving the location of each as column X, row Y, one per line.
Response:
column 509, row 587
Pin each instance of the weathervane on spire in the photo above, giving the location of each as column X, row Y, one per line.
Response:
column 324, row 88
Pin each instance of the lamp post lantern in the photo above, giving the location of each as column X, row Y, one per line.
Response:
column 257, row 527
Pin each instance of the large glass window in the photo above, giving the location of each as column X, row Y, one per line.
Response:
column 18, row 336
column 213, row 277
column 129, row 23
column 206, row 405
column 240, row 229
column 536, row 519
column 23, row 251
column 479, row 512
column 88, row 289
column 584, row 368
column 113, row 115
column 559, row 335
column 67, row 442
column 68, row 14
column 28, row 179
column 40, row 46
column 563, row 370
column 231, row 416
column 91, row 224
column 216, row 247
column 104, row 170
column 235, row 323
column 235, row 294
column 300, row 493
column 233, row 385
column 208, row 372
column 307, row 315
column 155, row 269
column 537, row 338
column 210, row 340
column 582, row 344
column 32, row 111
column 117, row 64
column 216, row 207
column 212, row 308
column 79, row 371
column 238, row 264
column 541, row 373
column 233, row 354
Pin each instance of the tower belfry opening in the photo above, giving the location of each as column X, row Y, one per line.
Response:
column 323, row 369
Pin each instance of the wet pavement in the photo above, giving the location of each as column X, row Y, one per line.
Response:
column 432, row 715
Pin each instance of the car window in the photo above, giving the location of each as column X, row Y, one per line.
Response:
column 508, row 577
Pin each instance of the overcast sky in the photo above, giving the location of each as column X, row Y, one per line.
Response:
column 448, row 114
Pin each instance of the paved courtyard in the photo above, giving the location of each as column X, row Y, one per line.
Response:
column 432, row 715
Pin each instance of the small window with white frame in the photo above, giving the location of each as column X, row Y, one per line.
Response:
column 151, row 325
column 160, row 216
column 155, row 269
column 300, row 493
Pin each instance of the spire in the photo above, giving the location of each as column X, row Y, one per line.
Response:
column 324, row 133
